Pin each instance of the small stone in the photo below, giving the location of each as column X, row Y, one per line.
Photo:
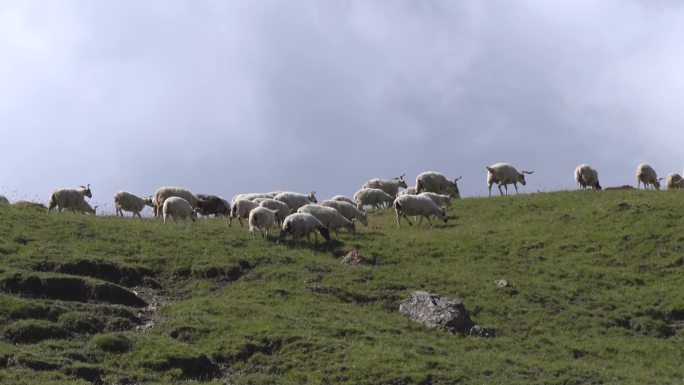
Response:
column 501, row 283
column 481, row 331
column 354, row 257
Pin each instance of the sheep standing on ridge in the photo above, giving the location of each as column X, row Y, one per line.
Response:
column 302, row 224
column 408, row 191
column 240, row 210
column 296, row 200
column 674, row 181
column 439, row 199
column 252, row 196
column 391, row 187
column 646, row 174
column 372, row 197
column 125, row 201
column 435, row 182
column 504, row 174
column 212, row 204
column 261, row 218
column 329, row 217
column 282, row 208
column 163, row 193
column 348, row 210
column 343, row 199
column 178, row 208
column 587, row 177
column 67, row 198
column 417, row 205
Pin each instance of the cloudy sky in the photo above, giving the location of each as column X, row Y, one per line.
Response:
column 240, row 96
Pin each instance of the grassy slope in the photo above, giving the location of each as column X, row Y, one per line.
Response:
column 598, row 297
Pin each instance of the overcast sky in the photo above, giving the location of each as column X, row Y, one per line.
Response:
column 242, row 96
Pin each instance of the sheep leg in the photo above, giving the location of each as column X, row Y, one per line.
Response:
column 407, row 220
column 516, row 187
column 428, row 219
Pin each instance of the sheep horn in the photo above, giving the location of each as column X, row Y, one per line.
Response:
column 527, row 172
column 457, row 179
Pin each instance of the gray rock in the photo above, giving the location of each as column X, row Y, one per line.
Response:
column 437, row 311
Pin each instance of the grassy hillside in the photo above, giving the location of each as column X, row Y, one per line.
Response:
column 597, row 296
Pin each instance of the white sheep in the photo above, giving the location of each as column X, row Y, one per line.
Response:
column 302, row 224
column 125, row 201
column 178, row 208
column 348, row 210
column 674, row 181
column 261, row 218
column 372, row 197
column 86, row 208
column 343, row 199
column 504, row 174
column 329, row 217
column 240, row 210
column 251, row 196
column 391, row 186
column 163, row 193
column 417, row 205
column 282, row 208
column 646, row 174
column 435, row 182
column 67, row 198
column 295, row 200
column 408, row 191
column 587, row 177
column 439, row 199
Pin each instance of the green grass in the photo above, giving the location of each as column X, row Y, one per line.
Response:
column 597, row 296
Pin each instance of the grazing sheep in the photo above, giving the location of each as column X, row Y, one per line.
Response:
column 435, row 182
column 25, row 203
column 67, row 198
column 295, row 200
column 408, row 191
column 373, row 197
column 240, row 210
column 504, row 174
column 391, row 187
column 674, row 181
column 261, row 218
column 251, row 196
column 212, row 204
column 163, row 193
column 329, row 217
column 178, row 208
column 86, row 208
column 283, row 208
column 301, row 224
column 646, row 174
column 343, row 199
column 125, row 201
column 348, row 210
column 587, row 177
column 3, row 200
column 439, row 199
column 417, row 205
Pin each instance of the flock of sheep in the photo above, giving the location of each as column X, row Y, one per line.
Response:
column 299, row 215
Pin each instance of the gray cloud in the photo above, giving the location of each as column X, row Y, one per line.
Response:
column 257, row 96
